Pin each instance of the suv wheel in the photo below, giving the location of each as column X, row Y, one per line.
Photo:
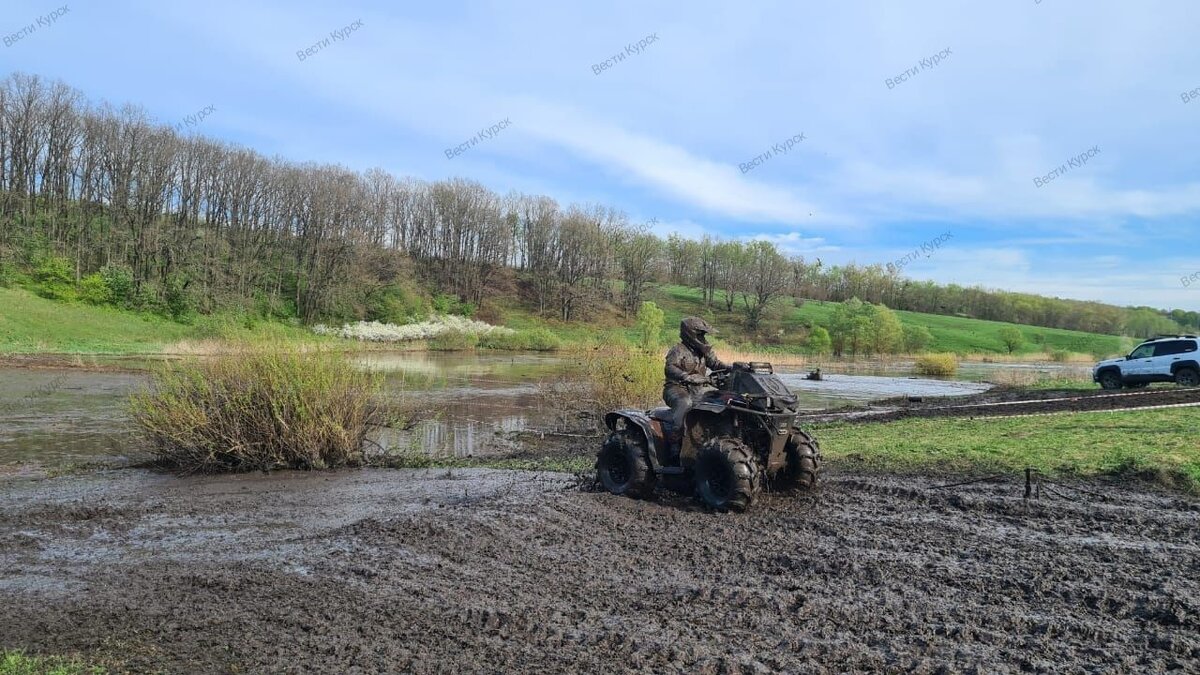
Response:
column 1187, row 377
column 1110, row 379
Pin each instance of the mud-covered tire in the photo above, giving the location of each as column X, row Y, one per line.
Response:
column 728, row 475
column 1187, row 377
column 623, row 467
column 1110, row 379
column 803, row 464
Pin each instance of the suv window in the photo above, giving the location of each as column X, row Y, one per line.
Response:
column 1142, row 352
column 1173, row 347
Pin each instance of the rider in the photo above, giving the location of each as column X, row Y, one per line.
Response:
column 687, row 369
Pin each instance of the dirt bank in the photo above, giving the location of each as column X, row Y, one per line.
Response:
column 486, row 571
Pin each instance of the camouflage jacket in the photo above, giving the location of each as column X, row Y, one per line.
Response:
column 683, row 362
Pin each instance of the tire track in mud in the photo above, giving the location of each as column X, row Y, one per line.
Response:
column 480, row 571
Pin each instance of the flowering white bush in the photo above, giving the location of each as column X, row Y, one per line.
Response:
column 374, row 331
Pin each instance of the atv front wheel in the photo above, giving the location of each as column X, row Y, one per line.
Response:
column 622, row 466
column 803, row 464
column 727, row 475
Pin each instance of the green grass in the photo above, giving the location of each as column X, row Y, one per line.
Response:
column 1155, row 443
column 1152, row 444
column 18, row 663
column 31, row 325
column 956, row 334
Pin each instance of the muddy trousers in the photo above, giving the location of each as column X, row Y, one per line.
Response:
column 680, row 399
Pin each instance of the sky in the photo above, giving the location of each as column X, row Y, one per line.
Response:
column 1051, row 146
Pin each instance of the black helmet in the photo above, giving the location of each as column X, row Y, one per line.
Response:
column 692, row 331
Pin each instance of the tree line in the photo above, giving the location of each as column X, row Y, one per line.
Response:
column 107, row 202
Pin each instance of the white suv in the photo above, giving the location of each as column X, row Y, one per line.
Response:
column 1167, row 358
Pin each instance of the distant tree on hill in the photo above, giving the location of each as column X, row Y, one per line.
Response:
column 916, row 338
column 1012, row 338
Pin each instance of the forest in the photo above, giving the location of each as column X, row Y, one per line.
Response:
column 105, row 205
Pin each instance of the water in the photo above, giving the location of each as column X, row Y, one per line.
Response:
column 58, row 417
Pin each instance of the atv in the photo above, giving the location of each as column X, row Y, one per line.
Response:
column 740, row 437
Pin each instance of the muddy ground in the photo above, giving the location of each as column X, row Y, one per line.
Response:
column 1011, row 401
column 487, row 571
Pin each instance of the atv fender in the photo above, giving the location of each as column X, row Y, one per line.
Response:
column 641, row 420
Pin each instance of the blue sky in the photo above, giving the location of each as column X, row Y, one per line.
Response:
column 954, row 148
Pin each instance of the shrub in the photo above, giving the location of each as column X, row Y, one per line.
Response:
column 449, row 304
column 396, row 304
column 94, row 291
column 937, row 365
column 650, row 321
column 620, row 377
column 259, row 409
column 916, row 338
column 536, row 340
column 1060, row 355
column 176, row 298
column 55, row 278
column 119, row 280
column 454, row 341
column 818, row 341
column 385, row 332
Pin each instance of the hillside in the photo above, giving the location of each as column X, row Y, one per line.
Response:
column 31, row 324
column 951, row 333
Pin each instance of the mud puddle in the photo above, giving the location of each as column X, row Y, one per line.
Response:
column 472, row 405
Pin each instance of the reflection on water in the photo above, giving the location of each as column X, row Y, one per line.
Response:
column 475, row 402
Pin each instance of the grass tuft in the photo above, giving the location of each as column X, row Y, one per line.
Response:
column 18, row 663
column 937, row 365
column 260, row 408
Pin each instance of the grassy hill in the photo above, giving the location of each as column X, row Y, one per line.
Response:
column 950, row 333
column 31, row 324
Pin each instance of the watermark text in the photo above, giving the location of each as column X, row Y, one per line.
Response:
column 194, row 119
column 324, row 43
column 780, row 148
column 927, row 63
column 1073, row 163
column 487, row 133
column 43, row 21
column 631, row 49
column 927, row 249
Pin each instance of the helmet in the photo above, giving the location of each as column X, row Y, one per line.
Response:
column 692, row 331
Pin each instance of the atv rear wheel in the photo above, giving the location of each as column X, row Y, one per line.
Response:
column 622, row 466
column 727, row 475
column 803, row 464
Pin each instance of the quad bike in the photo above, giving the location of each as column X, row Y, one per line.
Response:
column 739, row 437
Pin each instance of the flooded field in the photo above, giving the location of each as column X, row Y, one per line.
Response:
column 57, row 417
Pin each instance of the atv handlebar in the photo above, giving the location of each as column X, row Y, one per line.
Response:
column 719, row 377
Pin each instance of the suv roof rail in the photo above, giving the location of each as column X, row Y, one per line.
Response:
column 1164, row 337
